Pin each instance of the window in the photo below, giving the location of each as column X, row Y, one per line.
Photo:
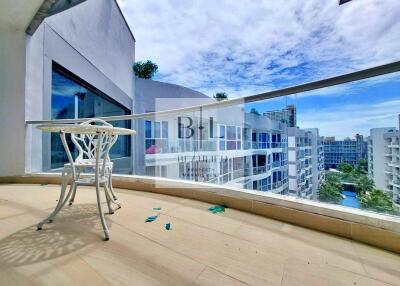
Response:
column 263, row 140
column 222, row 137
column 164, row 129
column 238, row 138
column 276, row 141
column 246, row 138
column 74, row 98
column 157, row 130
column 230, row 137
column 265, row 184
column 148, row 129
column 156, row 136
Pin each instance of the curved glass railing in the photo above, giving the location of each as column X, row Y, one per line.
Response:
column 319, row 141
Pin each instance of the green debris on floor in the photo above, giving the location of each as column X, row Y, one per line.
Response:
column 151, row 218
column 156, row 209
column 168, row 226
column 217, row 209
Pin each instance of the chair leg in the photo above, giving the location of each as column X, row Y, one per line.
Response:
column 101, row 214
column 108, row 199
column 114, row 200
column 71, row 201
column 61, row 201
column 111, row 187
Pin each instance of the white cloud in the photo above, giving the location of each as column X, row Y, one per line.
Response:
column 247, row 47
column 347, row 120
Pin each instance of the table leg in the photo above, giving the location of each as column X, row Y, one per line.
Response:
column 101, row 214
column 61, row 201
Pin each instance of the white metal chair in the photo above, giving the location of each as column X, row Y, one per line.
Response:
column 88, row 159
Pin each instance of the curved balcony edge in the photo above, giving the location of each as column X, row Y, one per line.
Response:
column 371, row 228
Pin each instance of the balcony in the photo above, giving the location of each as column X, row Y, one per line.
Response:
column 263, row 237
column 230, row 248
column 259, row 170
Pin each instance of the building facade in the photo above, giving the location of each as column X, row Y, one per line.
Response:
column 384, row 160
column 349, row 151
column 287, row 115
column 81, row 67
column 248, row 150
column 306, row 162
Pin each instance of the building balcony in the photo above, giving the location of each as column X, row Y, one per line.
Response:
column 396, row 146
column 230, row 248
column 263, row 238
column 395, row 183
column 259, row 170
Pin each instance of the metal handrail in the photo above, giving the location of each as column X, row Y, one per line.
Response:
column 345, row 78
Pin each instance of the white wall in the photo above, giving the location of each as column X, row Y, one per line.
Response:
column 98, row 31
column 148, row 92
column 378, row 151
column 12, row 99
column 152, row 96
column 92, row 41
column 15, row 16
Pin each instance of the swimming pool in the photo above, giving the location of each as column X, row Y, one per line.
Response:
column 351, row 200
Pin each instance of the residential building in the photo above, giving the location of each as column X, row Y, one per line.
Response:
column 384, row 160
column 287, row 115
column 305, row 158
column 317, row 160
column 246, row 150
column 349, row 151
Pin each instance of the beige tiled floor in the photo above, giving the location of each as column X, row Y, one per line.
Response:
column 231, row 248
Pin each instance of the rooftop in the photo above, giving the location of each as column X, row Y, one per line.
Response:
column 230, row 248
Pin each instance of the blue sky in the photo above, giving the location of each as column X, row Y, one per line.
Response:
column 248, row 47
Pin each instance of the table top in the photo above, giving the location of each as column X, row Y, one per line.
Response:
column 85, row 129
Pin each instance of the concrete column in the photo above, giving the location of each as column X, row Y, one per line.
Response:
column 12, row 102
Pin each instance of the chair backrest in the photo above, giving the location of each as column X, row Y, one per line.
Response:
column 87, row 143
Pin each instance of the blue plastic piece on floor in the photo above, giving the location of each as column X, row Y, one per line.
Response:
column 217, row 209
column 168, row 226
column 151, row 218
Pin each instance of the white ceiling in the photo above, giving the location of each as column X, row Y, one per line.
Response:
column 17, row 14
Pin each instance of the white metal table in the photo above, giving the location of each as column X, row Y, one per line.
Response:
column 100, row 136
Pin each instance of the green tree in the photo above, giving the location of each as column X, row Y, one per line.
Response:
column 358, row 171
column 330, row 190
column 364, row 185
column 254, row 111
column 145, row 69
column 329, row 193
column 345, row 168
column 220, row 96
column 379, row 201
column 363, row 164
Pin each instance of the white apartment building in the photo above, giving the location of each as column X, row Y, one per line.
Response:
column 243, row 150
column 306, row 162
column 318, row 160
column 384, row 160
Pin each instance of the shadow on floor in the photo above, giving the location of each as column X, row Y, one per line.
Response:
column 76, row 227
